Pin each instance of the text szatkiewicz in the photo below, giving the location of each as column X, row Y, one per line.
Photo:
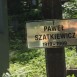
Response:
column 56, row 34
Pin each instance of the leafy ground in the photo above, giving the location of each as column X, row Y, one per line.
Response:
column 32, row 63
column 35, row 67
column 71, row 57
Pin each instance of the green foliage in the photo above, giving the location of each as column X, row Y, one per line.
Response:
column 71, row 58
column 34, row 68
column 70, row 9
column 32, row 63
column 71, row 76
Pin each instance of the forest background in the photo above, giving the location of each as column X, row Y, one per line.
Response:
column 26, row 62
